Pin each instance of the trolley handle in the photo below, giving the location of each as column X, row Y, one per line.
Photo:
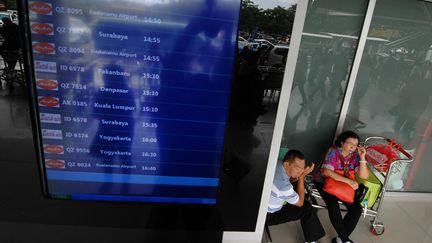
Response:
column 393, row 143
column 398, row 147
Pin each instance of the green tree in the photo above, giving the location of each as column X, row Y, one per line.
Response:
column 250, row 16
column 276, row 21
column 279, row 20
column 11, row 4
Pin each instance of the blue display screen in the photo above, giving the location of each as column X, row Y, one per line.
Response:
column 132, row 96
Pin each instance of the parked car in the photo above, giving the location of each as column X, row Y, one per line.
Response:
column 241, row 43
column 5, row 15
column 253, row 45
column 14, row 15
column 264, row 42
column 276, row 55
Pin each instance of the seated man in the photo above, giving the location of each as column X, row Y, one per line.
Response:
column 293, row 167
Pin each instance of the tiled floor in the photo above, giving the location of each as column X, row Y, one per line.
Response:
column 406, row 219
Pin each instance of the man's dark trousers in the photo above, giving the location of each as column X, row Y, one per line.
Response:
column 312, row 228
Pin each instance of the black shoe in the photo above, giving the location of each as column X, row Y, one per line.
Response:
column 348, row 241
column 339, row 240
column 336, row 240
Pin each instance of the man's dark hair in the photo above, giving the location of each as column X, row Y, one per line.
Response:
column 293, row 154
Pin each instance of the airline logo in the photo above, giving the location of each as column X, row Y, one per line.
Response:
column 45, row 48
column 48, row 67
column 52, row 134
column 50, row 102
column 50, row 118
column 47, row 84
column 42, row 29
column 40, row 8
column 53, row 149
column 55, row 164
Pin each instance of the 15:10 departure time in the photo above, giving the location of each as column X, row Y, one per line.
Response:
column 150, row 93
column 150, row 76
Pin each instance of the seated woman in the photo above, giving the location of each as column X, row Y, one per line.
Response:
column 346, row 155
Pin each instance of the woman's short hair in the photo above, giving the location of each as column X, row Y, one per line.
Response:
column 344, row 136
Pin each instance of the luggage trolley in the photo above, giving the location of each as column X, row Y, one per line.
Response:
column 385, row 158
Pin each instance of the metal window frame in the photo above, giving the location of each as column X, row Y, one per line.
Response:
column 282, row 111
column 287, row 85
column 355, row 66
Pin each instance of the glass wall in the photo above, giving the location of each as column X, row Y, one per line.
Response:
column 392, row 95
column 263, row 44
column 327, row 49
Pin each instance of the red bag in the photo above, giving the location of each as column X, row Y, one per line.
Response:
column 341, row 190
column 381, row 155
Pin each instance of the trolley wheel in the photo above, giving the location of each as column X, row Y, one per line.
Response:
column 377, row 229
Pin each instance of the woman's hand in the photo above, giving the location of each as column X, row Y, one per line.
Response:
column 362, row 152
column 353, row 184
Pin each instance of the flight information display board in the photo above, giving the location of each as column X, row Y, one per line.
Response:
column 132, row 96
